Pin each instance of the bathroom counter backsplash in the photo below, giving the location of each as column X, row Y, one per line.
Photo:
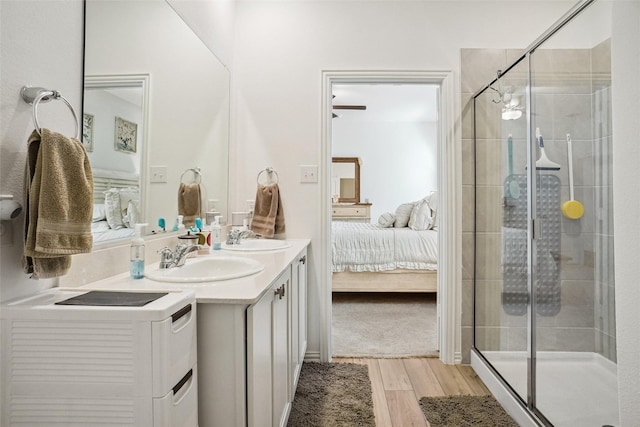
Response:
column 243, row 290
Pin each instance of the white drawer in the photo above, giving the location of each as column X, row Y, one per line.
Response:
column 174, row 348
column 179, row 407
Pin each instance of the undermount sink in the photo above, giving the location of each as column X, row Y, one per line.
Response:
column 252, row 245
column 207, row 270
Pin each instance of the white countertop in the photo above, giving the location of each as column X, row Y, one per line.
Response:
column 244, row 290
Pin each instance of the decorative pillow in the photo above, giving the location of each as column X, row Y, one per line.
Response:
column 403, row 214
column 99, row 212
column 132, row 214
column 433, row 202
column 421, row 216
column 129, row 212
column 387, row 219
column 112, row 207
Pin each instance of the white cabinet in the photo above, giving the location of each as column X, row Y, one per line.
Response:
column 99, row 365
column 254, row 354
column 298, row 316
column 267, row 356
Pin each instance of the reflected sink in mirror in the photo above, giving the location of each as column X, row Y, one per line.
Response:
column 253, row 245
column 208, row 269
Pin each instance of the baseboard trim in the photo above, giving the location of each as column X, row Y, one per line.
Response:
column 312, row 356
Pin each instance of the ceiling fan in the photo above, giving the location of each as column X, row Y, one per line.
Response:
column 347, row 107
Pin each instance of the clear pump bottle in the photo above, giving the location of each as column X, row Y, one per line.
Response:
column 136, row 268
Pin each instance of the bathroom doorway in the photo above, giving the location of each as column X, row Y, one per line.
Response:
column 386, row 140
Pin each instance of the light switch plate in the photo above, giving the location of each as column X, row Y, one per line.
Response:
column 158, row 173
column 308, row 173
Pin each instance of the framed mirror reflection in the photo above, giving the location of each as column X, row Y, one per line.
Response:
column 345, row 179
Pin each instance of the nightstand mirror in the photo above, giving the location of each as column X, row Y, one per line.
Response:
column 345, row 179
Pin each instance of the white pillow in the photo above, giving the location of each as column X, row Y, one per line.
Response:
column 99, row 212
column 129, row 212
column 433, row 202
column 421, row 216
column 387, row 219
column 132, row 214
column 112, row 207
column 403, row 214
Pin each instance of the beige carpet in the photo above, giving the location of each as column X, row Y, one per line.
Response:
column 332, row 395
column 465, row 411
column 384, row 325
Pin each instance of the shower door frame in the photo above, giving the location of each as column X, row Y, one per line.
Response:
column 533, row 226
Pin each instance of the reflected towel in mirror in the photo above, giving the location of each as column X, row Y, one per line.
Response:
column 189, row 203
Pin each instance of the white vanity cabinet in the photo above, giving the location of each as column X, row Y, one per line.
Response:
column 298, row 314
column 254, row 353
column 268, row 355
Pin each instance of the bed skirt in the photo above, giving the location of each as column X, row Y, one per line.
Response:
column 386, row 281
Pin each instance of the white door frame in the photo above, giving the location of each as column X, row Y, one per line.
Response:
column 449, row 215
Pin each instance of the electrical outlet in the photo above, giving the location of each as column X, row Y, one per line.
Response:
column 158, row 174
column 308, row 173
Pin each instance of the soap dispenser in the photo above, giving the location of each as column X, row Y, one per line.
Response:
column 136, row 268
column 216, row 234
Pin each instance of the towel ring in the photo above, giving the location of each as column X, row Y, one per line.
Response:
column 270, row 172
column 197, row 175
column 35, row 95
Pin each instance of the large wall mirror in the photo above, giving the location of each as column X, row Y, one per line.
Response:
column 156, row 105
column 345, row 179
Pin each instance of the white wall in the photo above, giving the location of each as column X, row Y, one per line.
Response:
column 281, row 49
column 398, row 160
column 625, row 64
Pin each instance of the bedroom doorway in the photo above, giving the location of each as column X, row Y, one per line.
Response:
column 449, row 222
column 384, row 182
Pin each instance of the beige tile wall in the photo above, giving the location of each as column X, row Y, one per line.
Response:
column 566, row 99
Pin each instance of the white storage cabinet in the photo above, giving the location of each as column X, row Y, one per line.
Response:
column 87, row 365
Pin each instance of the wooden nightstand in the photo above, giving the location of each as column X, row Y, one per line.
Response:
column 352, row 212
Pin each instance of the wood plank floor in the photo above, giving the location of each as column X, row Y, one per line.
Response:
column 398, row 384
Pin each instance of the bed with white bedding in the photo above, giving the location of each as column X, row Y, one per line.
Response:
column 371, row 258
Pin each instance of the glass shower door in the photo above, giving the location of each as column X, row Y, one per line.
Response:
column 502, row 243
column 574, row 362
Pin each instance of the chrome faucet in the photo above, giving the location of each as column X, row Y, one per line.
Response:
column 177, row 257
column 235, row 236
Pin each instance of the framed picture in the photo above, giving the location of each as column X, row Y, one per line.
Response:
column 126, row 135
column 87, row 131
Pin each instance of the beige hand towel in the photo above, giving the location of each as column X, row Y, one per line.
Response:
column 268, row 213
column 189, row 203
column 59, row 201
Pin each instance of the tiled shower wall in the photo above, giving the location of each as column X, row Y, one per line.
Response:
column 566, row 99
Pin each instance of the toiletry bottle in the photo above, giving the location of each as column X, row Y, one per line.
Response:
column 216, row 234
column 136, row 268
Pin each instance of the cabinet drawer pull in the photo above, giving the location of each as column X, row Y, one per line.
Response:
column 182, row 382
column 181, row 313
column 303, row 259
column 280, row 292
